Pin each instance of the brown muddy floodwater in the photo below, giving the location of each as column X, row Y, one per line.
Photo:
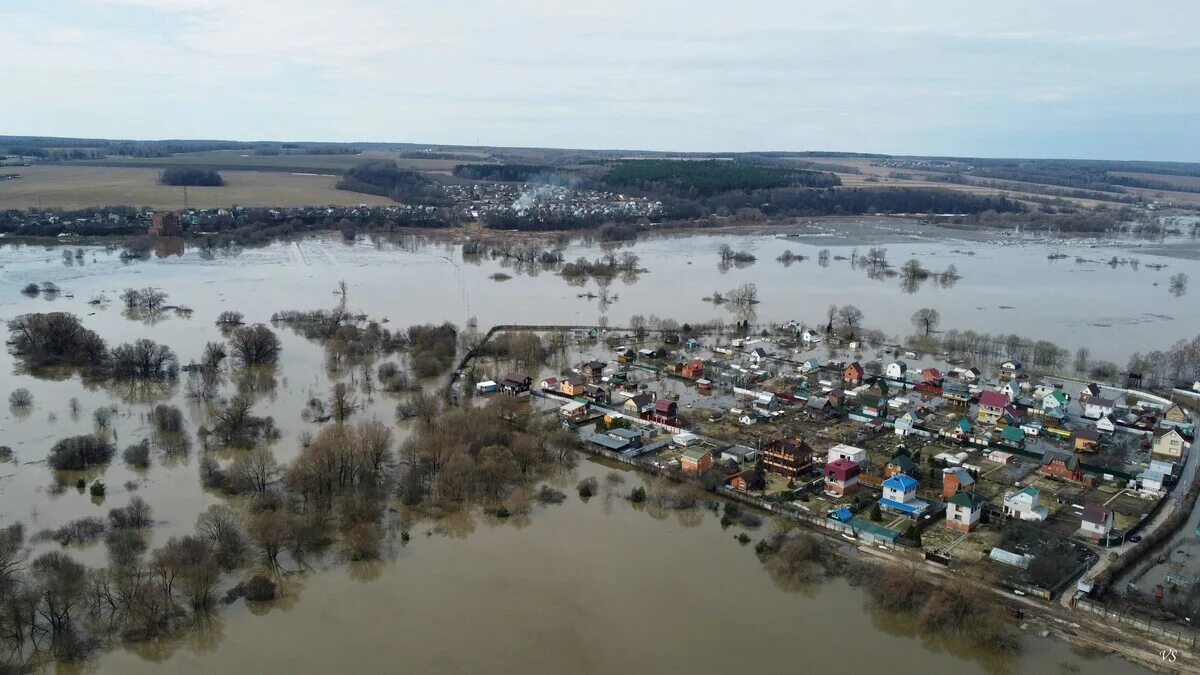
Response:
column 579, row 587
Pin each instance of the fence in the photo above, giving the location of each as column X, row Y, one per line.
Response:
column 1166, row 631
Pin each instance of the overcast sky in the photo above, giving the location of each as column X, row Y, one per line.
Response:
column 1038, row 78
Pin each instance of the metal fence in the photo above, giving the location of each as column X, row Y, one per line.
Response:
column 1142, row 623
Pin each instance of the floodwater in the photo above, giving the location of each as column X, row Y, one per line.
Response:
column 587, row 587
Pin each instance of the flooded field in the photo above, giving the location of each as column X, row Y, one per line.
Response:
column 589, row 587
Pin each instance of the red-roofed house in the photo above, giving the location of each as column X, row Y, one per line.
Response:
column 665, row 407
column 991, row 406
column 693, row 369
column 931, row 376
column 853, row 374
column 841, row 477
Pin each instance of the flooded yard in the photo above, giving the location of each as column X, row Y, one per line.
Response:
column 590, row 587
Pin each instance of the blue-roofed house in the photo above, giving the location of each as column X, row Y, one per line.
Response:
column 900, row 494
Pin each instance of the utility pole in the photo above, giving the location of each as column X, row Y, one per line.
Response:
column 185, row 198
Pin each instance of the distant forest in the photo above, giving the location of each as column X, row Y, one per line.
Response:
column 190, row 175
column 385, row 178
column 692, row 179
column 503, row 172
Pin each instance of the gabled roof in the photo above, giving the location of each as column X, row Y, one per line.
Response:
column 902, row 482
column 695, row 454
column 1100, row 402
column 968, row 500
column 1095, row 513
column 1027, row 490
column 1058, row 396
column 1071, row 461
column 964, row 476
column 1012, row 434
column 664, row 405
column 993, row 399
column 904, row 462
column 1088, row 434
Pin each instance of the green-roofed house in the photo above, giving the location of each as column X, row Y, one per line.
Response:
column 964, row 510
column 1013, row 437
column 696, row 460
column 1055, row 401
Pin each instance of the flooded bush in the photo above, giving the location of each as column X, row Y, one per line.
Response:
column 433, row 348
column 167, row 418
column 55, row 338
column 6, row 453
column 260, row 589
column 77, row 532
column 80, row 452
column 134, row 515
column 229, row 319
column 235, row 426
column 20, row 398
column 588, row 487
column 31, row 289
column 137, row 455
column 255, row 345
column 548, row 495
column 144, row 359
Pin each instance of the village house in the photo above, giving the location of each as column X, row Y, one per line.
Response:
column 1169, row 444
column 696, row 460
column 896, row 370
column 1097, row 522
column 956, row 479
column 515, row 383
column 809, row 337
column 901, row 463
column 819, row 408
column 1061, row 464
column 1011, row 389
column 747, row 480
column 971, row 375
column 992, row 405
column 964, row 510
column 853, row 374
column 1042, row 389
column 1009, row 370
column 549, row 384
column 931, row 377
column 739, row 454
column 592, row 370
column 790, row 457
column 1174, row 416
column 572, row 385
column 693, row 369
column 759, row 356
column 956, row 392
column 1106, row 424
column 574, row 411
column 843, row 451
column 665, row 408
column 595, row 393
column 1054, row 401
column 837, row 397
column 1023, row 504
column 1151, row 481
column 1088, row 391
column 1086, row 440
column 900, row 495
column 908, row 423
column 638, row 404
column 841, row 477
column 1097, row 406
column 1012, row 437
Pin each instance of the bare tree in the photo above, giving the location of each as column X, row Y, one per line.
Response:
column 255, row 345
column 926, row 320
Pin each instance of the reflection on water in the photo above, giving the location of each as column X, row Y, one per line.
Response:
column 580, row 583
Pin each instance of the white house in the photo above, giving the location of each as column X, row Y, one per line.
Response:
column 1023, row 504
column 1054, row 401
column 809, row 337
column 971, row 374
column 1096, row 407
column 759, row 356
column 1106, row 423
column 1150, row 481
column 1043, row 389
column 900, row 494
column 1097, row 523
column 1012, row 388
column 843, row 451
column 963, row 511
column 896, row 370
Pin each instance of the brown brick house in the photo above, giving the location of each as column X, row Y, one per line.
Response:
column 165, row 224
column 790, row 457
